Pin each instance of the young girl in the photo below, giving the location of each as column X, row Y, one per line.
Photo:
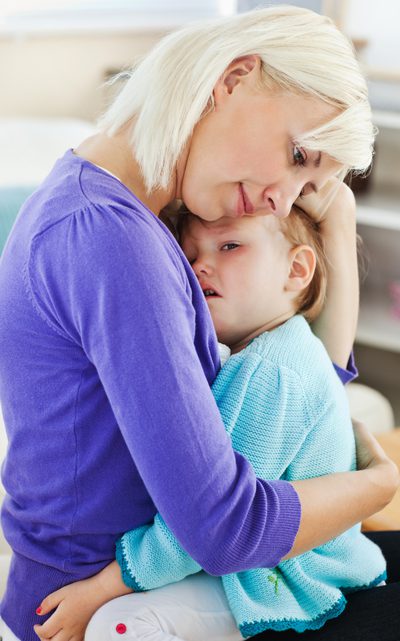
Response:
column 285, row 409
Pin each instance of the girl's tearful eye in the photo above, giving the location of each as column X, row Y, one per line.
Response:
column 299, row 156
column 229, row 246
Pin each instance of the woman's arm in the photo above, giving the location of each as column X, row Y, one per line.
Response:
column 337, row 323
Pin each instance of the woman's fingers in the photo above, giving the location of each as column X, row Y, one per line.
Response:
column 369, row 451
column 371, row 456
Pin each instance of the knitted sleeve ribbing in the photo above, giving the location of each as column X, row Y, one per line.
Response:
column 150, row 557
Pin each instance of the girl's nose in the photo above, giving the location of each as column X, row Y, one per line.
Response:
column 202, row 266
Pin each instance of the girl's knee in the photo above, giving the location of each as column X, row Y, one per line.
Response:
column 108, row 624
column 120, row 620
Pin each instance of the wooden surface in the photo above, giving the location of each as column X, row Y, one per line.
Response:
column 389, row 518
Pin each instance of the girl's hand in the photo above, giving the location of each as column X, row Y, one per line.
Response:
column 74, row 606
column 76, row 603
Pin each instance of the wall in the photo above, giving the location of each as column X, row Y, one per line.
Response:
column 62, row 75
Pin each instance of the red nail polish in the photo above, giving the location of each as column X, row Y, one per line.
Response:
column 39, row 610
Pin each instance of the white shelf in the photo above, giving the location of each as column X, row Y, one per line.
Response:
column 387, row 119
column 377, row 326
column 380, row 217
column 380, row 207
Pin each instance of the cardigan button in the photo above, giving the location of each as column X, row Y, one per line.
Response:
column 121, row 628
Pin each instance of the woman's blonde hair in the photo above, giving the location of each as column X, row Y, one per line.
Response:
column 300, row 51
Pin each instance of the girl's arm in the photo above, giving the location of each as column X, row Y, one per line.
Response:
column 337, row 323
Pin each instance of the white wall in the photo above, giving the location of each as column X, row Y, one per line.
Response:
column 62, row 75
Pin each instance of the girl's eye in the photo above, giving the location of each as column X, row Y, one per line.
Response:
column 299, row 156
column 229, row 246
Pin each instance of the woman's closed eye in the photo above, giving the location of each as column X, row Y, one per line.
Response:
column 299, row 156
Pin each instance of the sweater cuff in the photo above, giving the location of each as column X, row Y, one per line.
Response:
column 127, row 577
column 290, row 518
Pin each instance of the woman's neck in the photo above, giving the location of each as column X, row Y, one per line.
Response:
column 114, row 153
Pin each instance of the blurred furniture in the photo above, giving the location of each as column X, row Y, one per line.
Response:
column 389, row 517
column 378, row 224
column 32, row 146
column 370, row 407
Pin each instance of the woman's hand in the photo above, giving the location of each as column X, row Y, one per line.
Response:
column 330, row 203
column 334, row 503
column 76, row 603
column 371, row 456
column 334, row 207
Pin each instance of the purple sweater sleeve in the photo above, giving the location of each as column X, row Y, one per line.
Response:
column 350, row 373
column 117, row 288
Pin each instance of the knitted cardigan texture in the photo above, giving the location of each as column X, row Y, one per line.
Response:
column 286, row 410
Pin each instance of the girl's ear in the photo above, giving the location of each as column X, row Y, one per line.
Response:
column 241, row 70
column 302, row 262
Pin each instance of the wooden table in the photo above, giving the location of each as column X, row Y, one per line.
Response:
column 389, row 517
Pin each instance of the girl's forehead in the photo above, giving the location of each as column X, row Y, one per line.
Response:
column 198, row 228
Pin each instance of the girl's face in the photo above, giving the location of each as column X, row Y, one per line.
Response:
column 242, row 266
column 243, row 157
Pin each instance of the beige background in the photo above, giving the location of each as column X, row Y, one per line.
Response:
column 62, row 75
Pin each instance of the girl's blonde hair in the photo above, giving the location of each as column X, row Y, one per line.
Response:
column 300, row 51
column 300, row 229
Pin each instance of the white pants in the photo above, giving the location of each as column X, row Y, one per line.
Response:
column 194, row 609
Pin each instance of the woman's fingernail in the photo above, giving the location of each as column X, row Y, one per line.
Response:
column 39, row 610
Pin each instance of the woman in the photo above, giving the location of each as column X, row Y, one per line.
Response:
column 108, row 349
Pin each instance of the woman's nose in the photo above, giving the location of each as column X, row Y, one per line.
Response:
column 279, row 200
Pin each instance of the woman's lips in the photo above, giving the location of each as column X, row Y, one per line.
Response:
column 244, row 204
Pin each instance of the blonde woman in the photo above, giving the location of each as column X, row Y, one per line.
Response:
column 108, row 349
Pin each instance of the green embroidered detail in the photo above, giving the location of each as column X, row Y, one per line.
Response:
column 274, row 578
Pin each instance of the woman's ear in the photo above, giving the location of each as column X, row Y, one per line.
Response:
column 241, row 69
column 302, row 262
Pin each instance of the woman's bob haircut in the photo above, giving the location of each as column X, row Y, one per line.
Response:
column 300, row 51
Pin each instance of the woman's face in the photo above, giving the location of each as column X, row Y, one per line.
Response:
column 243, row 158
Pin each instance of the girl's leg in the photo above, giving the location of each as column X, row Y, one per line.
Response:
column 194, row 609
column 370, row 614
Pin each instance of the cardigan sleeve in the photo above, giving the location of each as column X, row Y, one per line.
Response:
column 150, row 557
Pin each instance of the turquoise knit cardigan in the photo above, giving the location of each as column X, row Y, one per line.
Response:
column 286, row 411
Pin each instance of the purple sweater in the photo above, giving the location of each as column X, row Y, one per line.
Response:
column 107, row 354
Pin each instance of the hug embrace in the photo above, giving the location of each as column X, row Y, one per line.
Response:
column 152, row 493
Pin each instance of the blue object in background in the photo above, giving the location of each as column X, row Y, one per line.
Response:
column 11, row 199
